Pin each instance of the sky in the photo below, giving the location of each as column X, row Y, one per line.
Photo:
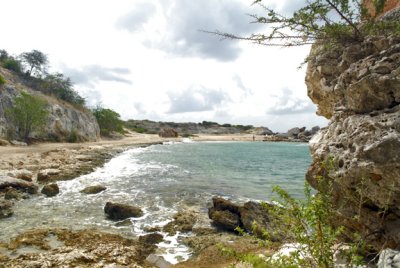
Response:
column 150, row 59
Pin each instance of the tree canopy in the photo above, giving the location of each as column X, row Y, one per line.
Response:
column 36, row 62
column 327, row 21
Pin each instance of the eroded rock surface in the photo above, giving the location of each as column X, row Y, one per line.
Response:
column 116, row 211
column 358, row 88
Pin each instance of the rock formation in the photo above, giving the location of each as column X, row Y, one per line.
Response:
column 118, row 212
column 63, row 118
column 357, row 87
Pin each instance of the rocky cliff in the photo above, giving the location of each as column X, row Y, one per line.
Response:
column 358, row 88
column 64, row 120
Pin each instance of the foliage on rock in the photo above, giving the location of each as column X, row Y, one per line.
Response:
column 109, row 121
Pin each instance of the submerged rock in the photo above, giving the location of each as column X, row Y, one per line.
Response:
column 5, row 209
column 94, row 189
column 116, row 211
column 151, row 239
column 50, row 190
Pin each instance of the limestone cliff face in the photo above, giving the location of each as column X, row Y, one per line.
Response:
column 63, row 118
column 358, row 88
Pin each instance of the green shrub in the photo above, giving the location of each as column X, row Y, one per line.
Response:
column 108, row 121
column 29, row 113
column 13, row 65
column 2, row 80
column 139, row 130
column 73, row 136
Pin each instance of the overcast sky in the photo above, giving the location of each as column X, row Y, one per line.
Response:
column 147, row 59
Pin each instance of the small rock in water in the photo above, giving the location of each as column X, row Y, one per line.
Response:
column 50, row 190
column 5, row 209
column 117, row 211
column 152, row 239
column 12, row 193
column 94, row 189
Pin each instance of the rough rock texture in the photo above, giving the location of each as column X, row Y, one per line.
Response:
column 358, row 88
column 50, row 190
column 117, row 211
column 183, row 221
column 95, row 189
column 63, row 118
column 25, row 186
column 168, row 133
column 389, row 258
column 5, row 209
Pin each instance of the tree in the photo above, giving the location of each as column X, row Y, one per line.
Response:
column 35, row 61
column 108, row 120
column 29, row 113
column 326, row 21
column 61, row 87
column 3, row 55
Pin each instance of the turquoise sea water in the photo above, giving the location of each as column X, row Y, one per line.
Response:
column 164, row 179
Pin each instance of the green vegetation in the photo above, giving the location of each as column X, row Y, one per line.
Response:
column 62, row 88
column 36, row 62
column 31, row 68
column 2, row 80
column 109, row 121
column 318, row 21
column 308, row 224
column 29, row 113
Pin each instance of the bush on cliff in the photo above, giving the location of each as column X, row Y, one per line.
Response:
column 28, row 114
column 12, row 64
column 108, row 120
column 2, row 80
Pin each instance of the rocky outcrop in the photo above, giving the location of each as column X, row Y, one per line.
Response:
column 252, row 217
column 168, row 133
column 63, row 119
column 118, row 212
column 358, row 87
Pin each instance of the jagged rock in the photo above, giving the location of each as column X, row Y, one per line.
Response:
column 389, row 258
column 62, row 119
column 47, row 174
column 293, row 132
column 6, row 182
column 183, row 222
column 5, row 209
column 94, row 189
column 50, row 190
column 361, row 96
column 168, row 133
column 224, row 219
column 152, row 239
column 117, row 211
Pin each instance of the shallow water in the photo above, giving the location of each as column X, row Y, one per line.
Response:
column 162, row 178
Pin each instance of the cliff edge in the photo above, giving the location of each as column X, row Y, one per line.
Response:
column 357, row 87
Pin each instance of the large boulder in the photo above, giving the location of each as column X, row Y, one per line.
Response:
column 116, row 211
column 168, row 133
column 224, row 219
column 5, row 209
column 358, row 87
column 25, row 186
column 50, row 190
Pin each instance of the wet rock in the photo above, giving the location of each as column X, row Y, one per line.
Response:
column 50, row 190
column 6, row 182
column 94, row 189
column 151, row 239
column 5, row 209
column 220, row 203
column 389, row 258
column 158, row 261
column 224, row 219
column 116, row 211
column 183, row 222
column 12, row 193
column 47, row 174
